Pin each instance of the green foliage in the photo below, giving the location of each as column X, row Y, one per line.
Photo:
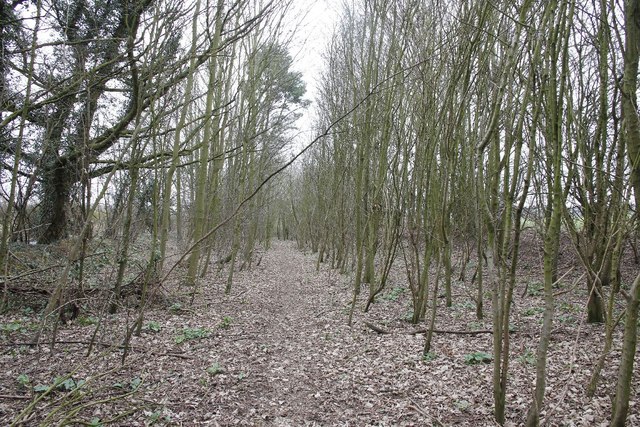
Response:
column 567, row 319
column 528, row 357
column 135, row 383
column 476, row 326
column 429, row 357
column 189, row 334
column 68, row 384
column 87, row 320
column 157, row 417
column 462, row 405
column 175, row 308
column 41, row 388
column 532, row 311
column 95, row 422
column 13, row 326
column 154, row 417
column 282, row 85
column 477, row 358
column 393, row 295
column 153, row 326
column 465, row 305
column 242, row 376
column 23, row 379
column 535, row 289
column 226, row 322
column 572, row 308
column 214, row 369
column 64, row 384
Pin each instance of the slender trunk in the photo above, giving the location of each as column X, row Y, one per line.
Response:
column 126, row 239
column 201, row 198
column 434, row 307
column 165, row 217
column 8, row 215
column 625, row 372
column 631, row 121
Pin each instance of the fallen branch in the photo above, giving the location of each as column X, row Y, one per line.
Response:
column 27, row 290
column 14, row 396
column 442, row 331
column 377, row 328
column 434, row 421
column 382, row 331
column 101, row 344
column 41, row 270
column 237, row 296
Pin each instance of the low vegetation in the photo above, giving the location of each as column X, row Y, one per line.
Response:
column 473, row 168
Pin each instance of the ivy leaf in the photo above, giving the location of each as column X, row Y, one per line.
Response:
column 41, row 388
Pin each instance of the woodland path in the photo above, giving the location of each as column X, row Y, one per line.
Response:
column 301, row 364
column 277, row 352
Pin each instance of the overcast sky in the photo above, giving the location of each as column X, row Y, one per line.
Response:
column 317, row 19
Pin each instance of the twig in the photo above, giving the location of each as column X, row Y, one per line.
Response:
column 32, row 272
column 42, row 270
column 238, row 295
column 102, row 344
column 442, row 331
column 382, row 331
column 424, row 413
column 14, row 396
column 566, row 291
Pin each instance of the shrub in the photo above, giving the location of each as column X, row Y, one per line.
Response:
column 226, row 322
column 477, row 358
column 189, row 334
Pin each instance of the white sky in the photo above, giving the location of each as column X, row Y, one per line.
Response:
column 316, row 19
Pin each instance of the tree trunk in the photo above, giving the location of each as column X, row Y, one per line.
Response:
column 631, row 124
column 625, row 373
column 58, row 179
column 631, row 128
column 595, row 303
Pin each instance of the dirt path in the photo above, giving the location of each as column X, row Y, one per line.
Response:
column 301, row 364
column 277, row 352
column 286, row 317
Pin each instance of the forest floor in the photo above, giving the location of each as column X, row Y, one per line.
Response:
column 277, row 351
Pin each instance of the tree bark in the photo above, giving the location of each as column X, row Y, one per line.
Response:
column 625, row 373
column 631, row 128
column 631, row 122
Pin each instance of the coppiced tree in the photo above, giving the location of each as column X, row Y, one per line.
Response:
column 558, row 19
column 270, row 95
column 119, row 93
column 209, row 137
column 501, row 113
column 504, row 172
column 631, row 133
column 8, row 20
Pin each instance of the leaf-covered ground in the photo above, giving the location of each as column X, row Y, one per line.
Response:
column 277, row 351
